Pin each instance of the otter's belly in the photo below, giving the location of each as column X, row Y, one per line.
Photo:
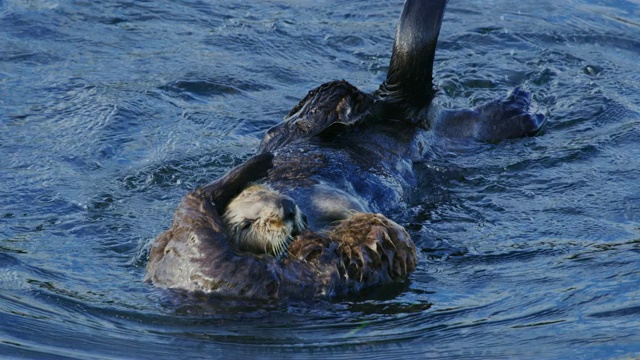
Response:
column 324, row 204
column 328, row 183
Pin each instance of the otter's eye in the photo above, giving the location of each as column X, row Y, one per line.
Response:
column 246, row 224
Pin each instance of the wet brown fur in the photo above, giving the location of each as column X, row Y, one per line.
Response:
column 195, row 254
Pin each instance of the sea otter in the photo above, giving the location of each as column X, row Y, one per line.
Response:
column 303, row 218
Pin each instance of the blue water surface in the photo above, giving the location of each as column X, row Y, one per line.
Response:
column 111, row 111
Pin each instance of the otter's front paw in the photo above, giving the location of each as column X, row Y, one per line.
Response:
column 373, row 249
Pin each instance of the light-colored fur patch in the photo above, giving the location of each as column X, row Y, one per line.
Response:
column 262, row 221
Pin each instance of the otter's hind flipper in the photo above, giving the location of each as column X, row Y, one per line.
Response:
column 408, row 88
column 494, row 121
column 336, row 107
column 326, row 112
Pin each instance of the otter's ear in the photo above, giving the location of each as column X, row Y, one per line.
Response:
column 222, row 190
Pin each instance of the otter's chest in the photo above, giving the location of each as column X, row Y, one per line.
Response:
column 328, row 181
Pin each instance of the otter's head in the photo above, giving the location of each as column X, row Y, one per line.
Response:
column 263, row 221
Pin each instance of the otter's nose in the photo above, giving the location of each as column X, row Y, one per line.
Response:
column 288, row 209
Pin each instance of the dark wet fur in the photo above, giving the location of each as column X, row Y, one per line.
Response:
column 195, row 255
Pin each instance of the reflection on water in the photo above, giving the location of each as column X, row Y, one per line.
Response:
column 111, row 112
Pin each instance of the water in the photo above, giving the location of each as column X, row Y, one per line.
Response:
column 111, row 111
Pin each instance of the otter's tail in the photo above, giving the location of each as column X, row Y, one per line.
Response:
column 408, row 87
